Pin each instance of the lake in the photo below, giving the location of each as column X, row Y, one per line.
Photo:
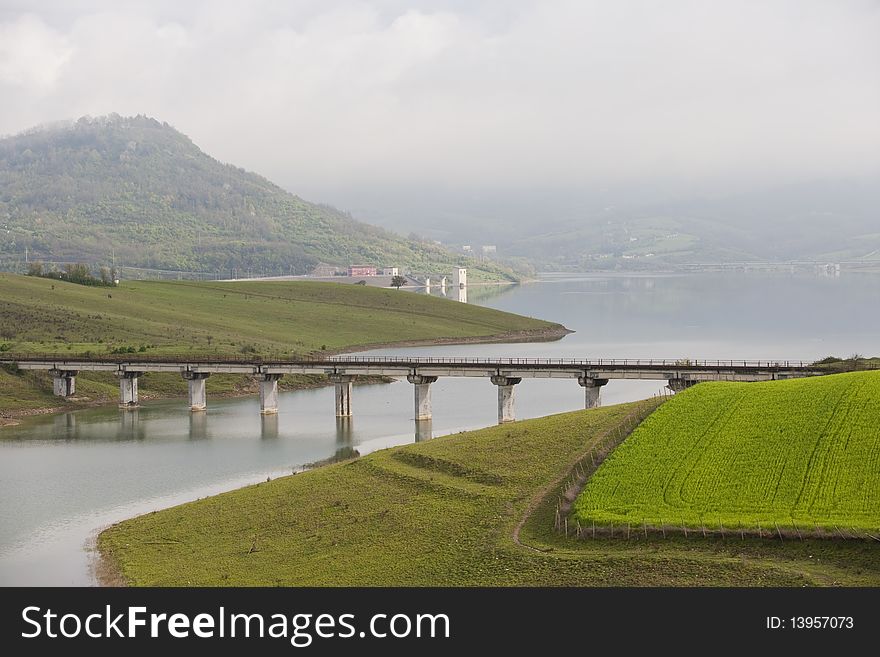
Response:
column 66, row 476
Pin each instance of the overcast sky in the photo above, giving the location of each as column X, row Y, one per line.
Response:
column 327, row 97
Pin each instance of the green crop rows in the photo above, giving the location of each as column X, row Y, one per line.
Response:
column 800, row 456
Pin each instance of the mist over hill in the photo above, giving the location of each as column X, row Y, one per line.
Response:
column 644, row 226
column 136, row 191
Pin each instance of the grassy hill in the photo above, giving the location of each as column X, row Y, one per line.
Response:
column 137, row 190
column 796, row 456
column 261, row 317
column 279, row 317
column 445, row 512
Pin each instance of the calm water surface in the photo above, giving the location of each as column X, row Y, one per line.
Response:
column 64, row 477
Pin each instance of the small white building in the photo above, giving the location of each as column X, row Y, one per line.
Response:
column 390, row 271
column 466, row 248
column 489, row 248
column 459, row 277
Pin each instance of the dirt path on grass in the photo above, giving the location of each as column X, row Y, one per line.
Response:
column 581, row 468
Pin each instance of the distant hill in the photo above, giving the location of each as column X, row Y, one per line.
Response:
column 649, row 227
column 818, row 222
column 139, row 191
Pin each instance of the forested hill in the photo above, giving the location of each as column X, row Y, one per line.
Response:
column 142, row 192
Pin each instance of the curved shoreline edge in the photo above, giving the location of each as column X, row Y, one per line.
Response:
column 548, row 334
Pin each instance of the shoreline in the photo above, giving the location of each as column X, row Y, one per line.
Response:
column 549, row 334
column 14, row 417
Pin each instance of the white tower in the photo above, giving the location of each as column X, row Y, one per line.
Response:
column 459, row 277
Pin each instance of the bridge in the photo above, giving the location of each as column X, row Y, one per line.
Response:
column 421, row 372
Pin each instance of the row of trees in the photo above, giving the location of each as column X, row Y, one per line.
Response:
column 79, row 273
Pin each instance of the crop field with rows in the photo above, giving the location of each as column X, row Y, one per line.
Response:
column 798, row 456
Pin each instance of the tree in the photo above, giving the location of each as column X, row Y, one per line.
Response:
column 398, row 281
column 78, row 273
column 35, row 269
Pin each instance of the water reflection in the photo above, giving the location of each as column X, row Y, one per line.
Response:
column 345, row 453
column 65, row 423
column 457, row 293
column 130, row 425
column 345, row 445
column 345, row 440
column 344, row 431
column 269, row 426
column 480, row 294
column 198, row 425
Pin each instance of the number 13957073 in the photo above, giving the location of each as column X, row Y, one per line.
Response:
column 810, row 623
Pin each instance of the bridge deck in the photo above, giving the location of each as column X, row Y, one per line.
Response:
column 604, row 368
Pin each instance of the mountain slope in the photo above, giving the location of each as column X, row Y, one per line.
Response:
column 138, row 190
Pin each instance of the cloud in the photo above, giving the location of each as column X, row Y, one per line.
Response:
column 328, row 96
column 32, row 55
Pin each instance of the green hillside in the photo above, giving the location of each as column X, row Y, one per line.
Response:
column 267, row 317
column 260, row 317
column 797, row 456
column 444, row 513
column 138, row 191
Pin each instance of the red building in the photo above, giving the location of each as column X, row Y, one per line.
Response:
column 361, row 270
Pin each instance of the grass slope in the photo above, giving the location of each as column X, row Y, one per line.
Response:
column 242, row 317
column 798, row 455
column 443, row 513
column 283, row 318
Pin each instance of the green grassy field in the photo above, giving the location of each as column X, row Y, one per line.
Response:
column 444, row 512
column 271, row 318
column 791, row 456
column 265, row 317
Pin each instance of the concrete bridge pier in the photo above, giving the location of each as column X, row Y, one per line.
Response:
column 128, row 390
column 198, row 400
column 592, row 388
column 63, row 382
column 677, row 385
column 422, row 387
column 343, row 393
column 424, row 430
column 269, row 393
column 505, row 397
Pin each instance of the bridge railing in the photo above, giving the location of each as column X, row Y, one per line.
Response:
column 578, row 362
column 137, row 357
column 235, row 359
